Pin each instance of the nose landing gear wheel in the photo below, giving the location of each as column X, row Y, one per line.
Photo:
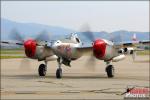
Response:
column 110, row 71
column 59, row 73
column 42, row 70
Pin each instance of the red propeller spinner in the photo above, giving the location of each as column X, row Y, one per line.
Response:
column 30, row 47
column 99, row 47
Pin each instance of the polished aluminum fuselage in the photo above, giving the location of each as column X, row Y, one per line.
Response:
column 64, row 49
column 110, row 51
column 67, row 50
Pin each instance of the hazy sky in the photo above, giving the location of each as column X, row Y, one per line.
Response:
column 100, row 15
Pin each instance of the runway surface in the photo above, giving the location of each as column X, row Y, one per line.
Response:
column 19, row 81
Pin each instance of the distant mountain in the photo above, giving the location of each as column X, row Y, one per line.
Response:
column 127, row 35
column 32, row 30
column 29, row 29
column 118, row 36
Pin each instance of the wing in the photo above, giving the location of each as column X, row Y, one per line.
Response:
column 38, row 43
column 144, row 41
column 131, row 43
column 130, row 47
column 9, row 42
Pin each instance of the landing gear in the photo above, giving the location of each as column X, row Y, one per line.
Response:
column 42, row 69
column 110, row 70
column 59, row 70
column 59, row 73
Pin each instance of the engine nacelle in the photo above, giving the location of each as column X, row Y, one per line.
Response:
column 43, row 53
column 103, row 49
column 30, row 48
column 37, row 52
column 99, row 48
column 118, row 58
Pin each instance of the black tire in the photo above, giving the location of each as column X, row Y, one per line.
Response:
column 110, row 71
column 42, row 70
column 59, row 73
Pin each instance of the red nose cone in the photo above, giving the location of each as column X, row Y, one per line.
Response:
column 30, row 48
column 99, row 47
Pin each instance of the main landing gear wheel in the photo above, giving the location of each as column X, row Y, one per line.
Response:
column 110, row 71
column 42, row 70
column 59, row 73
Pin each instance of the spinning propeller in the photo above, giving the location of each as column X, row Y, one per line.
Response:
column 99, row 47
column 91, row 62
column 29, row 44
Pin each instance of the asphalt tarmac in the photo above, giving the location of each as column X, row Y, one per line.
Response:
column 20, row 80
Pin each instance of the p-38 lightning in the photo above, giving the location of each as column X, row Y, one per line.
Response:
column 72, row 48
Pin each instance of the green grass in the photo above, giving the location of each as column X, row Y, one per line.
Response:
column 145, row 52
column 12, row 49
column 11, row 53
column 11, row 57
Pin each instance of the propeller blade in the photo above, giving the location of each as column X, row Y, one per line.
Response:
column 43, row 36
column 86, row 31
column 15, row 35
column 116, row 38
column 91, row 63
